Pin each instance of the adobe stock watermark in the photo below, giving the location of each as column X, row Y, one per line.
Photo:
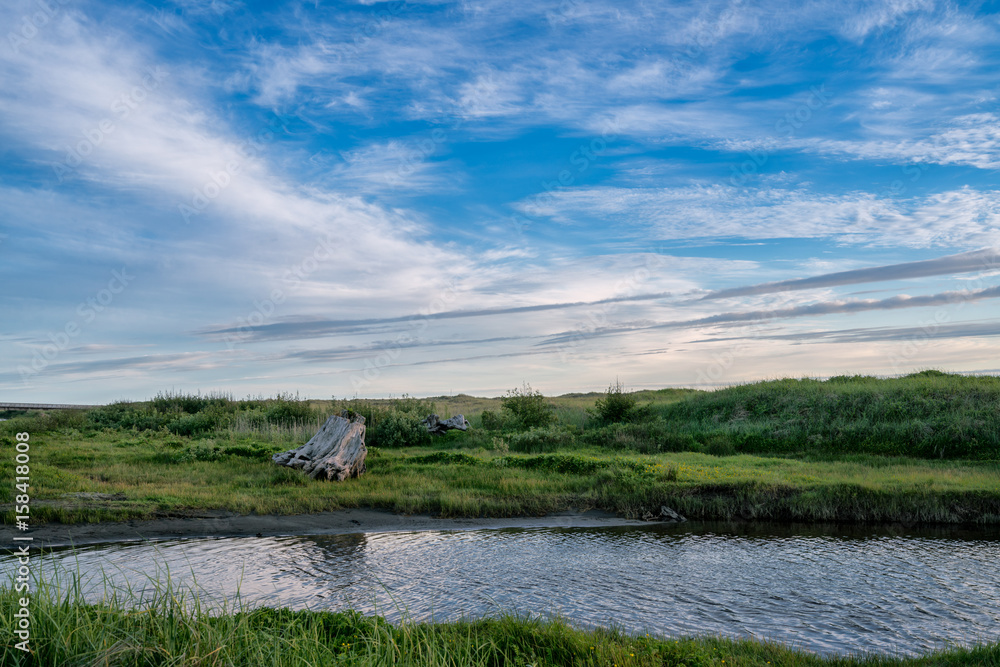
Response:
column 912, row 346
column 218, row 181
column 415, row 153
column 264, row 309
column 723, row 363
column 374, row 25
column 580, row 160
column 599, row 317
column 122, row 108
column 390, row 354
column 787, row 125
column 31, row 24
column 87, row 311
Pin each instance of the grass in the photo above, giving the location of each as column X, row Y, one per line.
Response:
column 174, row 628
column 788, row 450
column 920, row 449
column 157, row 474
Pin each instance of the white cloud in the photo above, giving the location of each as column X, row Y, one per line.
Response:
column 971, row 140
column 491, row 94
column 959, row 218
column 881, row 16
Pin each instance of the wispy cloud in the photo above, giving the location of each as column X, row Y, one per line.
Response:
column 323, row 328
column 979, row 329
column 317, row 178
column 814, row 309
column 986, row 261
column 956, row 218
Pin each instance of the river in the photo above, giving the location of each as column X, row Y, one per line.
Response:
column 823, row 589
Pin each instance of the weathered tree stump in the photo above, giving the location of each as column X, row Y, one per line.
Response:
column 336, row 452
column 436, row 426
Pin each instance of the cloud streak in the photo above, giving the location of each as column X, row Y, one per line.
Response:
column 816, row 309
column 323, row 328
column 978, row 260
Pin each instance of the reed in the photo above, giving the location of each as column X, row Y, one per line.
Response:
column 170, row 626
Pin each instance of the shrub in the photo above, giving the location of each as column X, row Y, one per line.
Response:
column 493, row 421
column 527, row 408
column 393, row 423
column 617, row 406
column 539, row 440
column 198, row 453
column 648, row 436
column 389, row 428
column 285, row 411
column 125, row 415
column 169, row 402
column 210, row 419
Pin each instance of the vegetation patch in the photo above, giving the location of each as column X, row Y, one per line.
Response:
column 454, row 458
column 917, row 449
column 168, row 627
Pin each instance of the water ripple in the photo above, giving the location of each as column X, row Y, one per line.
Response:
column 825, row 593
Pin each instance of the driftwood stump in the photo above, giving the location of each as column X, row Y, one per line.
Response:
column 437, row 426
column 336, row 452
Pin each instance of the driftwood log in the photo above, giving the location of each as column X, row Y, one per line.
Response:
column 437, row 426
column 336, row 452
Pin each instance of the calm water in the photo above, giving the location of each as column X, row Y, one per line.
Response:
column 825, row 591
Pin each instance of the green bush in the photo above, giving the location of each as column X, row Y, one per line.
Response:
column 212, row 418
column 389, row 428
column 617, row 406
column 394, row 423
column 538, row 440
column 126, row 416
column 198, row 453
column 285, row 411
column 648, row 437
column 169, row 402
column 527, row 408
column 251, row 450
column 192, row 415
column 209, row 451
column 494, row 421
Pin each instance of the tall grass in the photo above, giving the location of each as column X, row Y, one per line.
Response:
column 245, row 425
column 172, row 627
column 846, row 449
column 927, row 415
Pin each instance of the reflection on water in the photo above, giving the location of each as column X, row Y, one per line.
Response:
column 826, row 590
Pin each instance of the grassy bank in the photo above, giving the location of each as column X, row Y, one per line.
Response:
column 173, row 630
column 124, row 476
column 913, row 450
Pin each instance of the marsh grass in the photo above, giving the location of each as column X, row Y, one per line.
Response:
column 928, row 414
column 801, row 450
column 168, row 625
column 298, row 432
column 157, row 474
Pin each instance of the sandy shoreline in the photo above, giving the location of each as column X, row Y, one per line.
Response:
column 228, row 524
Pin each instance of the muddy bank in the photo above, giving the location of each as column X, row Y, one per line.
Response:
column 228, row 524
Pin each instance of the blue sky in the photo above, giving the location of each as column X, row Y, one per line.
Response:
column 380, row 198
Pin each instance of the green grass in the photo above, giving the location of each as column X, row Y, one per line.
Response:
column 158, row 474
column 927, row 415
column 175, row 629
column 919, row 449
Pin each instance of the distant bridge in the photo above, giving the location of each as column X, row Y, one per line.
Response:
column 44, row 406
